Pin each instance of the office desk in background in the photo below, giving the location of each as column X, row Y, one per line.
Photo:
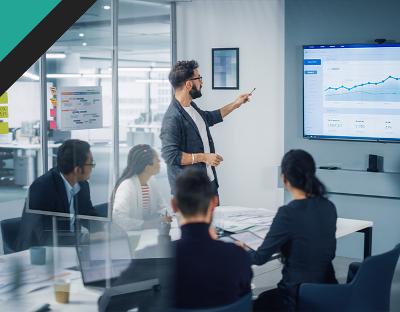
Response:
column 26, row 160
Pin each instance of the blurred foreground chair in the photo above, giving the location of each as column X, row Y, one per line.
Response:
column 369, row 290
column 9, row 233
column 241, row 305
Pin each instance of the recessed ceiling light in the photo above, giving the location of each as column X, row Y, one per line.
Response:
column 84, row 44
column 55, row 55
column 106, row 7
column 81, row 35
column 31, row 76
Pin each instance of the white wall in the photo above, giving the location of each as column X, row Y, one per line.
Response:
column 250, row 139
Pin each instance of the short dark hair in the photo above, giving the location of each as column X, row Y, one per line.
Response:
column 71, row 154
column 193, row 192
column 182, row 71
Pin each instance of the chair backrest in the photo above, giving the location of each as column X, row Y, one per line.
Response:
column 368, row 291
column 244, row 304
column 372, row 283
column 101, row 209
column 9, row 233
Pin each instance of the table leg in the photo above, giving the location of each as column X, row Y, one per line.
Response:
column 367, row 241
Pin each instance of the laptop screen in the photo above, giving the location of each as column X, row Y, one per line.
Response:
column 103, row 256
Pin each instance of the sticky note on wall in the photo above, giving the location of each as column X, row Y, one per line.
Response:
column 4, row 98
column 3, row 127
column 53, row 124
column 3, row 111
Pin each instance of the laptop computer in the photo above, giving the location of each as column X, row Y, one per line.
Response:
column 108, row 257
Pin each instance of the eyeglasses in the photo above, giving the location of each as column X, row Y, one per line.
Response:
column 92, row 164
column 200, row 78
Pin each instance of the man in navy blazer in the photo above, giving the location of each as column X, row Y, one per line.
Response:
column 185, row 134
column 208, row 272
column 61, row 190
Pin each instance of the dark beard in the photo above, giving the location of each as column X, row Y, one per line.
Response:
column 195, row 93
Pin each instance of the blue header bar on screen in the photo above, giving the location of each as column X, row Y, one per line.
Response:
column 336, row 46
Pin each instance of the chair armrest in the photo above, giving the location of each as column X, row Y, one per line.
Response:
column 323, row 297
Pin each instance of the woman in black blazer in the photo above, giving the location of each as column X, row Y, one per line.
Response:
column 303, row 232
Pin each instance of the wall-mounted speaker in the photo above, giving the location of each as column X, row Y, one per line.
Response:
column 375, row 163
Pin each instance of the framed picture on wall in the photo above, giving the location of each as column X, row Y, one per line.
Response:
column 225, row 68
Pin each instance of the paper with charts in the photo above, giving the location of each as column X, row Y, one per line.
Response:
column 238, row 219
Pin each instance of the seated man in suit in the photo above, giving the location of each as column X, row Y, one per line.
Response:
column 208, row 272
column 63, row 189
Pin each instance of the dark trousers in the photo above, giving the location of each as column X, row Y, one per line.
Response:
column 269, row 301
column 214, row 187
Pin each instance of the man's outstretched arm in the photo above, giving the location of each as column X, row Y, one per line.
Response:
column 229, row 108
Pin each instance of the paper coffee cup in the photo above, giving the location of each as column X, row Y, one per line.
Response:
column 61, row 290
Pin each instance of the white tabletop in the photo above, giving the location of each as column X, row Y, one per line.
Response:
column 26, row 146
column 347, row 226
column 84, row 299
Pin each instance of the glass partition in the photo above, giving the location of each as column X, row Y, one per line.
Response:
column 144, row 91
column 78, row 69
column 81, row 57
column 20, row 161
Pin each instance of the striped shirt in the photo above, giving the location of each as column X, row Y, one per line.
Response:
column 146, row 201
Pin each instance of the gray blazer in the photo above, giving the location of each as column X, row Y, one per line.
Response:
column 179, row 134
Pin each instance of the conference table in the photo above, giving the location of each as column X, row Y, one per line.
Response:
column 33, row 295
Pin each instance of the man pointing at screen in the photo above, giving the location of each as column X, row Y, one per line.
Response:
column 185, row 134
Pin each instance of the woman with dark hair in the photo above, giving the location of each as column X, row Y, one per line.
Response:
column 303, row 232
column 135, row 199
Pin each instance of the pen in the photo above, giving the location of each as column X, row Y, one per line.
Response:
column 252, row 91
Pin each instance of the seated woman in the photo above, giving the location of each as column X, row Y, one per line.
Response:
column 303, row 232
column 136, row 202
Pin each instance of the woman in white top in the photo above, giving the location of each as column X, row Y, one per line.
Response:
column 135, row 199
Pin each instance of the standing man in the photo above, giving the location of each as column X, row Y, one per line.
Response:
column 185, row 134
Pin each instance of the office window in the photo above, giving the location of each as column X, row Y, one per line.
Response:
column 20, row 148
column 82, row 58
column 144, row 49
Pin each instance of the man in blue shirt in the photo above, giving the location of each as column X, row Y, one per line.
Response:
column 185, row 134
column 64, row 190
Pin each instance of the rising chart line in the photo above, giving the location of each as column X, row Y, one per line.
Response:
column 362, row 84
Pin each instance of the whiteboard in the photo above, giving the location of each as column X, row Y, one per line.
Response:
column 79, row 108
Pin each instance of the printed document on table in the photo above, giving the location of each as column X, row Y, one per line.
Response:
column 250, row 239
column 238, row 219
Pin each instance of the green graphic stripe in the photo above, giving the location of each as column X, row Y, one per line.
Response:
column 18, row 18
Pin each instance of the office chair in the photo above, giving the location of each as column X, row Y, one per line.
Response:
column 369, row 290
column 9, row 233
column 101, row 209
column 241, row 305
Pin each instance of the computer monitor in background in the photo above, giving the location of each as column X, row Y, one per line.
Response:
column 352, row 92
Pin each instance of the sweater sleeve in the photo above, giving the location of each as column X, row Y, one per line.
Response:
column 125, row 208
column 277, row 236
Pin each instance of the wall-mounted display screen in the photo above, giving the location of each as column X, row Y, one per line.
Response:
column 352, row 92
